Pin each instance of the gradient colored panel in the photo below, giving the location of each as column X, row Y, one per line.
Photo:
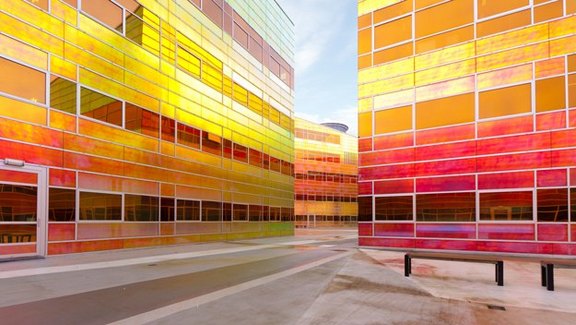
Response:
column 549, row 232
column 365, row 144
column 552, row 67
column 394, row 229
column 514, row 162
column 31, row 154
column 394, row 186
column 365, row 229
column 451, row 150
column 504, row 77
column 383, row 172
column 365, row 124
column 386, row 157
column 551, row 121
column 563, row 158
column 365, row 188
column 551, row 178
column 506, row 231
column 18, row 177
column 22, row 111
column 528, row 142
column 61, row 232
column 394, row 141
column 446, row 134
column 487, row 8
column 523, row 124
column 62, row 178
column 447, row 167
column 506, row 180
column 443, row 184
column 447, row 230
column 563, row 139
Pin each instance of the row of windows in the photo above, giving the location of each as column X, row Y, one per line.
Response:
column 141, row 208
column 326, row 218
column 551, row 206
column 325, row 198
column 317, row 136
column 327, row 177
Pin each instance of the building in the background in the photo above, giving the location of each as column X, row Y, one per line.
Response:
column 326, row 175
column 467, row 117
column 134, row 123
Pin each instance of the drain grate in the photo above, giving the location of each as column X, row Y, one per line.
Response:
column 495, row 307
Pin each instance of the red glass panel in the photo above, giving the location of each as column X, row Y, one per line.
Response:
column 18, row 177
column 168, row 129
column 572, row 118
column 447, row 134
column 551, row 121
column 573, row 178
column 446, row 230
column 394, row 229
column 364, row 229
column 506, row 180
column 442, row 184
column 365, row 188
column 451, row 150
column 514, row 125
column 31, row 154
column 552, row 232
column 527, row 142
column 64, row 178
column 240, row 153
column 365, row 144
column 563, row 139
column 142, row 121
column 506, row 231
column 395, row 186
column 548, row 178
column 386, row 157
column 457, row 166
column 386, row 242
column 514, row 161
column 383, row 172
column 394, row 141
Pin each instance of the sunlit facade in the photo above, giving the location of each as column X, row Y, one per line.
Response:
column 130, row 123
column 326, row 176
column 467, row 125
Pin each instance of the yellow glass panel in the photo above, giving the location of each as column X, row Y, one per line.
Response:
column 22, row 111
column 513, row 57
column 394, row 99
column 444, row 16
column 62, row 67
column 392, row 54
column 444, row 56
column 393, row 11
column 445, row 111
column 572, row 90
column 550, row 94
column 487, row 8
column 500, row 24
column 365, row 105
column 393, row 120
column 386, row 71
column 505, row 76
column 566, row 45
column 25, row 53
column 22, row 81
column 550, row 67
column 446, row 72
column 365, row 124
column 505, row 101
column 570, row 7
column 367, row 6
column 562, row 27
column 445, row 39
column 549, row 11
column 445, row 89
column 512, row 39
column 388, row 85
column 365, row 41
column 393, row 32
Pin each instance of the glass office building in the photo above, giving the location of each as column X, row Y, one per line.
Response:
column 467, row 118
column 326, row 175
column 130, row 123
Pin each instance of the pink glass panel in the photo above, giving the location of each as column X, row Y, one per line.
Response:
column 563, row 158
column 365, row 188
column 551, row 232
column 365, row 144
column 364, row 229
column 506, row 231
column 451, row 150
column 385, row 242
column 506, row 180
column 61, row 231
column 526, row 142
column 462, row 245
column 446, row 230
column 548, row 178
column 514, row 161
column 440, row 184
column 116, row 230
column 63, row 178
column 395, row 186
column 508, row 126
column 572, row 118
column 457, row 166
column 551, row 121
column 394, row 229
column 383, row 172
column 386, row 157
column 447, row 134
column 394, row 141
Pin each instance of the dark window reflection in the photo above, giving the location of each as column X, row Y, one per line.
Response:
column 211, row 143
column 100, row 206
column 240, row 212
column 573, row 204
column 188, row 136
column 255, row 213
column 227, row 211
column 140, row 208
column 22, row 81
column 141, row 120
column 17, row 203
column 61, row 205
column 365, row 208
column 187, row 210
column 63, row 94
column 460, row 207
column 167, row 209
column 287, row 214
column 100, row 107
column 553, row 205
column 17, row 233
column 393, row 208
column 506, row 206
column 211, row 211
column 168, row 129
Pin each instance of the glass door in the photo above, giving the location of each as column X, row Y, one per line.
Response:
column 22, row 211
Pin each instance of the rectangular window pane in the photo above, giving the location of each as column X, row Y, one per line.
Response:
column 240, row 212
column 255, row 213
column 22, row 81
column 275, row 164
column 105, row 11
column 187, row 210
column 393, row 208
column 17, row 203
column 459, row 207
column 61, row 205
column 168, row 129
column 393, row 120
column 240, row 153
column 141, row 120
column 167, row 209
column 506, row 206
column 255, row 158
column 445, row 111
column 227, row 212
column 211, row 211
column 227, row 148
column 505, row 101
column 211, row 143
column 188, row 136
column 365, row 208
column 550, row 94
column 487, row 8
column 40, row 3
column 553, row 205
column 573, row 204
column 100, row 206
column 63, row 94
column 100, row 107
column 140, row 208
column 275, row 214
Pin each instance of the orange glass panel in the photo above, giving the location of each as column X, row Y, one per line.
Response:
column 365, row 124
column 394, row 53
column 505, row 101
column 487, row 8
column 505, row 76
column 393, row 32
column 445, row 111
column 550, row 94
column 445, row 39
column 18, row 177
column 393, row 120
column 425, row 3
column 64, row 178
column 496, row 25
column 365, row 41
column 365, row 20
column 552, row 205
column 572, row 90
column 364, row 61
column 572, row 63
column 549, row 11
column 570, row 7
column 142, row 121
column 550, row 67
column 22, row 81
column 393, row 11
column 62, row 121
column 445, row 16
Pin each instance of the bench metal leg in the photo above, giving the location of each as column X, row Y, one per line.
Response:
column 407, row 265
column 543, row 275
column 550, row 277
column 500, row 273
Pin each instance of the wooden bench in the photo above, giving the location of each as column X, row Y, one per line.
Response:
column 457, row 257
column 547, row 270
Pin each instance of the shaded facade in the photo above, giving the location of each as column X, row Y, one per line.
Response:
column 136, row 123
column 326, row 176
column 467, row 124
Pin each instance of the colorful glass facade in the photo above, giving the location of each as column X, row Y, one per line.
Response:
column 130, row 123
column 467, row 125
column 326, row 176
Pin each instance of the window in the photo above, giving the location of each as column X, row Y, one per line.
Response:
column 255, row 213
column 140, row 208
column 189, row 62
column 106, row 12
column 100, row 206
column 40, row 3
column 275, row 214
column 100, row 107
column 445, row 111
column 573, row 204
column 188, row 136
column 365, row 208
column 393, row 32
column 226, row 211
column 505, row 101
column 22, row 81
column 553, row 205
column 506, row 206
column 167, row 209
column 168, row 129
column 211, row 143
column 187, row 210
column 211, row 211
column 141, row 120
column 227, row 148
column 394, row 208
column 255, row 158
column 240, row 212
column 240, row 153
column 275, row 164
column 287, row 214
column 459, row 207
column 63, row 94
column 61, row 205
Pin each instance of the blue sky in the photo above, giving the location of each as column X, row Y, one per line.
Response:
column 326, row 72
